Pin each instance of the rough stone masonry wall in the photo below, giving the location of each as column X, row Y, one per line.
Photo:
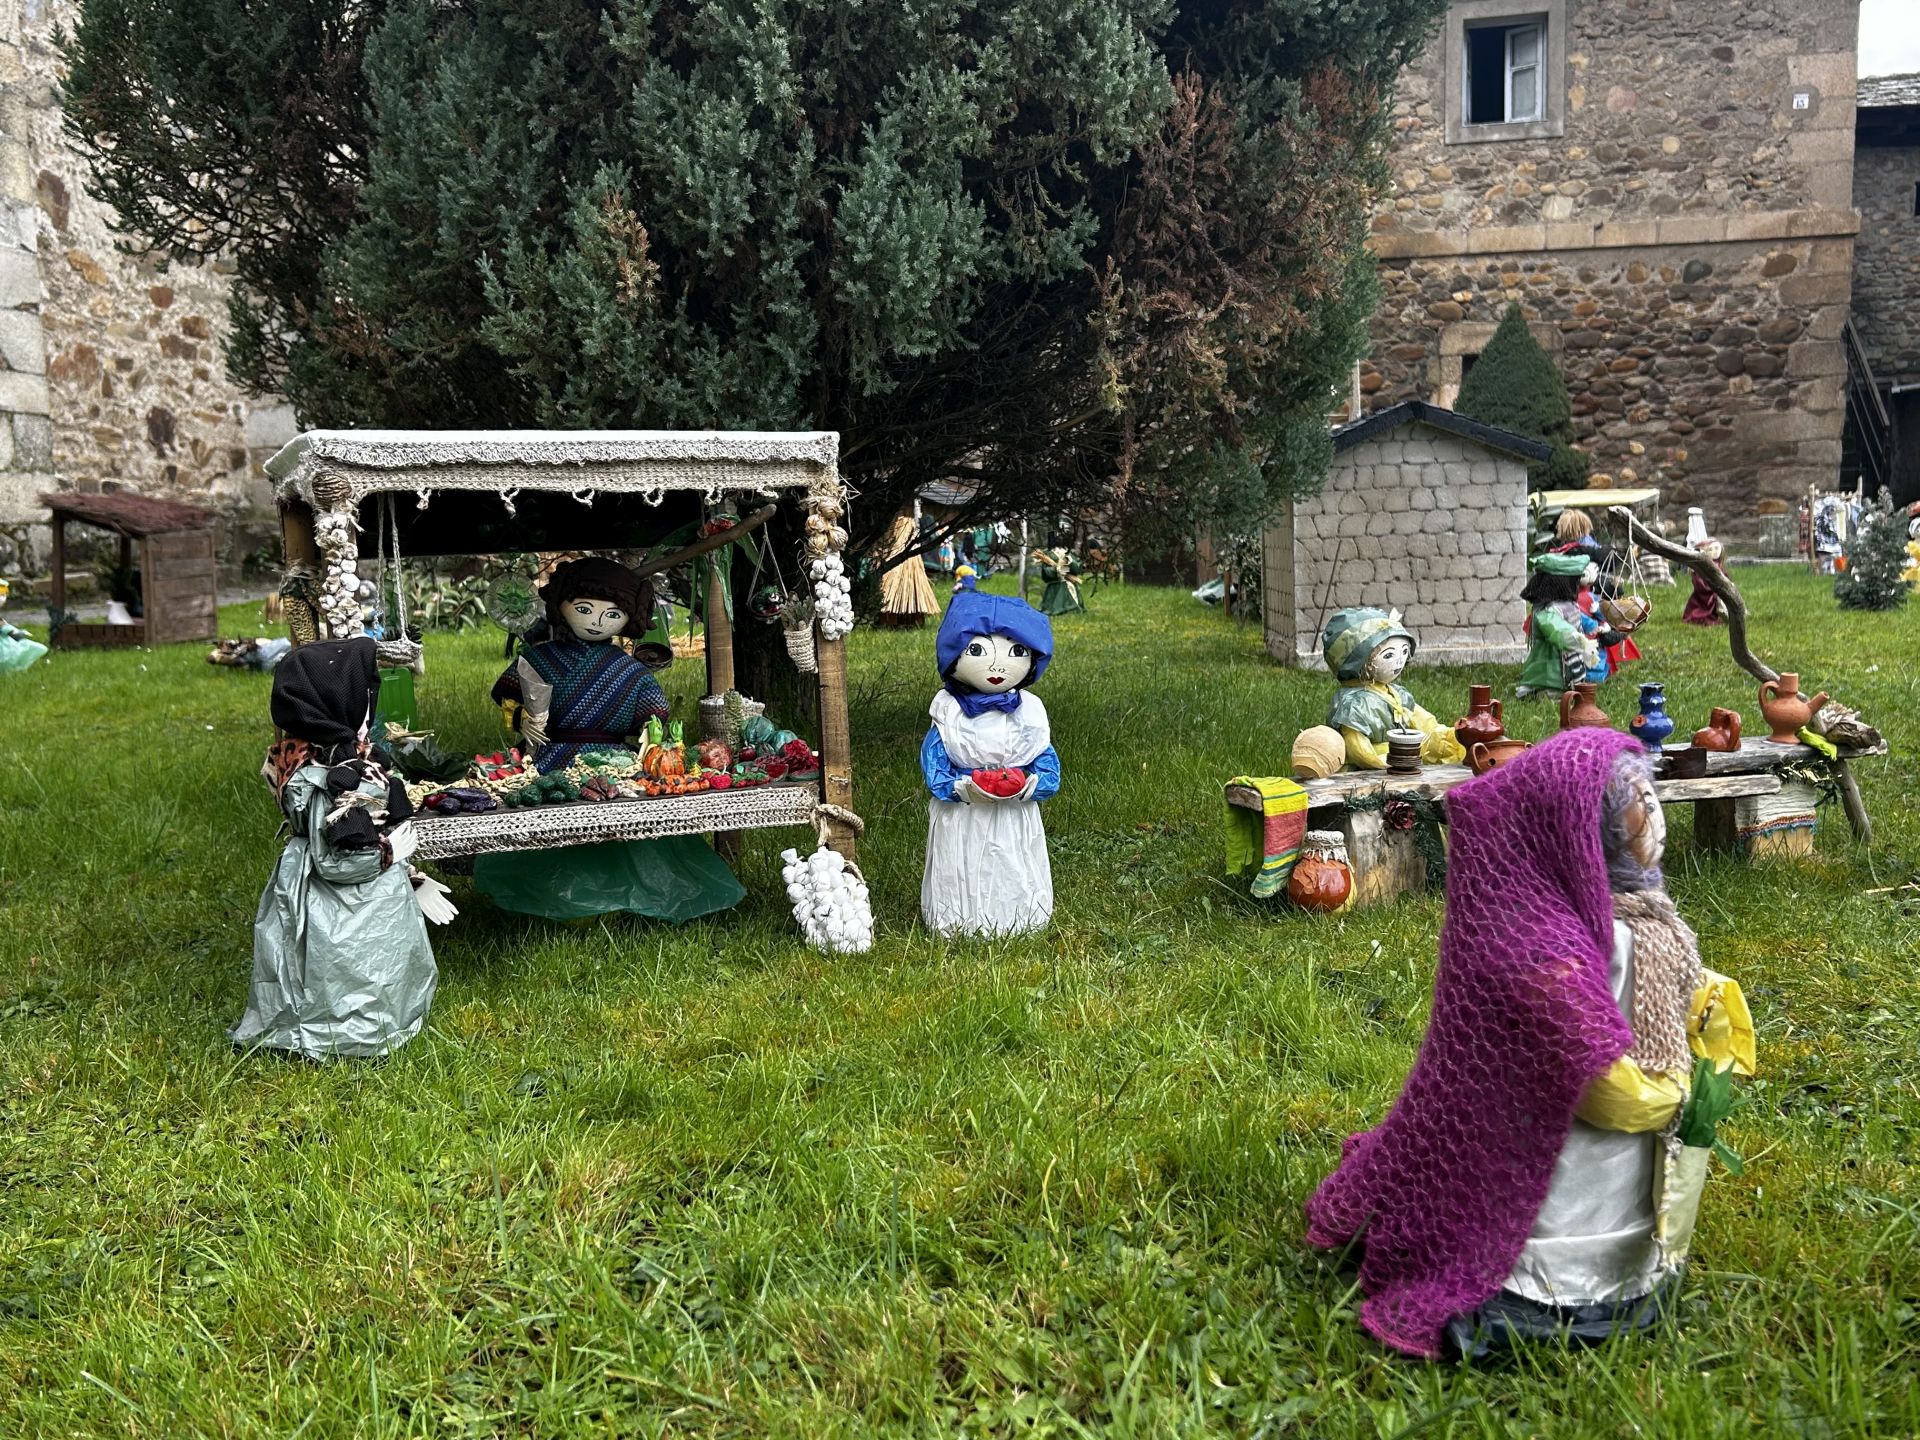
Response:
column 26, row 459
column 1416, row 520
column 1886, row 260
column 1713, row 372
column 133, row 384
column 1684, row 247
column 1672, row 107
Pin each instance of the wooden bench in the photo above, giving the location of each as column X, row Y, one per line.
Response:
column 1387, row 862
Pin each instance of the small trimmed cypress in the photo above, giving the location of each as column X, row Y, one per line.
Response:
column 1515, row 384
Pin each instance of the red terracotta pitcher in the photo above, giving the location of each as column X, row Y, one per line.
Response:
column 1483, row 723
column 1787, row 711
column 1578, row 709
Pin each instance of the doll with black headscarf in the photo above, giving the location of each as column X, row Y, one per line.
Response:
column 577, row 690
column 341, row 962
column 580, row 691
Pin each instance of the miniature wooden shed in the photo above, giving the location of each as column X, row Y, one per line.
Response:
column 179, row 582
column 1423, row 511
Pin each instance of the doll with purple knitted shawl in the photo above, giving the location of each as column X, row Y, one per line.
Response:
column 1528, row 1013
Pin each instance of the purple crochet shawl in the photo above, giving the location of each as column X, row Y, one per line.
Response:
column 1443, row 1193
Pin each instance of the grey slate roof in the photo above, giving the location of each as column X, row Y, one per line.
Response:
column 1494, row 437
column 1880, row 91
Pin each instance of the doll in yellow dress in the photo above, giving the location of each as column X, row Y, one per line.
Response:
column 1367, row 649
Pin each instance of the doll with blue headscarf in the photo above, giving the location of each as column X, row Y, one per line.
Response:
column 988, row 760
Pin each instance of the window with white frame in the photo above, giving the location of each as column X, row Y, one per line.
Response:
column 1505, row 73
column 1506, row 70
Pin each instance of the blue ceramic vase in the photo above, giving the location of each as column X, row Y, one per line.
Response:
column 1652, row 725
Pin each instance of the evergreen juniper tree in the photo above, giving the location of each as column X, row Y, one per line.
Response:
column 1515, row 384
column 1876, row 561
column 1032, row 244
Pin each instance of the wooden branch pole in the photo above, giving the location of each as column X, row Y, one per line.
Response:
column 1717, row 580
column 836, row 739
column 1722, row 585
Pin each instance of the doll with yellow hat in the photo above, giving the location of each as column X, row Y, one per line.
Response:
column 1367, row 649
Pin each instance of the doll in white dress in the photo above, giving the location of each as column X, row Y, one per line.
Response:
column 989, row 761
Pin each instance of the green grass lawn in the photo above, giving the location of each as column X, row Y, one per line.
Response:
column 705, row 1182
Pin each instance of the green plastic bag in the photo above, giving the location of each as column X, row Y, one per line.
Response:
column 396, row 703
column 676, row 879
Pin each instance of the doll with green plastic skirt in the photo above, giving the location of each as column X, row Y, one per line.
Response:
column 1367, row 649
column 1564, row 643
column 579, row 691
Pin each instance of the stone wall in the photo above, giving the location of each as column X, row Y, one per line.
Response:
column 26, row 457
column 1414, row 519
column 1671, row 107
column 127, row 371
column 1683, row 244
column 1712, row 371
column 1886, row 261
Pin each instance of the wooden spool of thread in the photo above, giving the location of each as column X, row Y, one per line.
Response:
column 1403, row 750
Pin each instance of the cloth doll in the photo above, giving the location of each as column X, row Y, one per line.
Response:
column 1520, row 1184
column 1573, row 535
column 989, row 761
column 341, row 962
column 580, row 691
column 1703, row 606
column 1367, row 649
column 1564, row 643
column 1060, row 568
column 18, row 649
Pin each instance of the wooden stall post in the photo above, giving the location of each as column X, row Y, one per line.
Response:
column 836, row 739
column 719, row 632
column 57, row 595
column 719, row 636
column 298, row 548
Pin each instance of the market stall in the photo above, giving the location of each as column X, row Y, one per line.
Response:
column 351, row 496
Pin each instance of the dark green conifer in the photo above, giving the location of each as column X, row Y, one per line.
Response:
column 1515, row 384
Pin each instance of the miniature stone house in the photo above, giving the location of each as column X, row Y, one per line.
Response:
column 1424, row 511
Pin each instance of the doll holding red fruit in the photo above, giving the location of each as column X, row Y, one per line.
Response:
column 988, row 760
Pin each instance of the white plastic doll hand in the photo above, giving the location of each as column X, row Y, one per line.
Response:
column 431, row 896
column 1026, row 790
column 968, row 793
column 401, row 842
column 533, row 729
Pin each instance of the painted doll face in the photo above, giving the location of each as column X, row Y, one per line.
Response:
column 1646, row 825
column 1388, row 661
column 993, row 664
column 594, row 620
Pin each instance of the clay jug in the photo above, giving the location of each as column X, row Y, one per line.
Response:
column 1786, row 709
column 1652, row 725
column 1483, row 723
column 1722, row 732
column 1488, row 755
column 1578, row 710
column 1322, row 881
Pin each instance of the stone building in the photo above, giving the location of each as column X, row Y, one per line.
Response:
column 1886, row 268
column 1423, row 511
column 110, row 366
column 1666, row 188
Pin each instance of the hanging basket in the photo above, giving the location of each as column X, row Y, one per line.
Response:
column 800, row 649
column 1627, row 613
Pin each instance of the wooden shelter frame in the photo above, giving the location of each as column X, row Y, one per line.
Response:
column 322, row 477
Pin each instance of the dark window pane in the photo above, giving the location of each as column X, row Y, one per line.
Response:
column 1487, row 75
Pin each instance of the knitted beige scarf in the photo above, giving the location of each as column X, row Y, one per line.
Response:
column 1666, row 972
